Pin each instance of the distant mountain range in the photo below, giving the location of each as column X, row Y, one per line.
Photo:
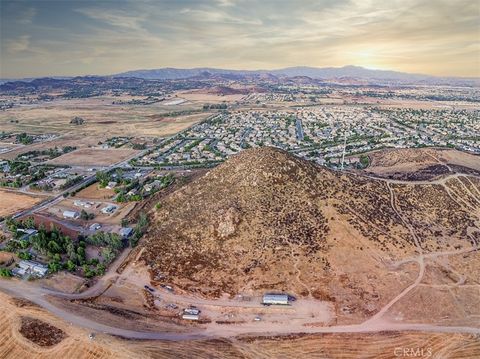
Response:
column 346, row 74
column 325, row 73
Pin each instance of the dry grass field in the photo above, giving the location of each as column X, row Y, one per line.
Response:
column 267, row 221
column 101, row 117
column 73, row 342
column 11, row 202
column 66, row 140
column 202, row 97
column 426, row 163
column 96, row 193
column 93, row 157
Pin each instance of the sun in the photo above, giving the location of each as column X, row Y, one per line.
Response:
column 368, row 58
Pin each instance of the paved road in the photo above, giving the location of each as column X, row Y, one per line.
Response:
column 86, row 181
column 299, row 126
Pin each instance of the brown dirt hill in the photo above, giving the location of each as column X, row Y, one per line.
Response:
column 422, row 163
column 266, row 220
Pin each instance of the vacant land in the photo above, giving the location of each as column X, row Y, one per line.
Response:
column 95, row 192
column 202, row 97
column 75, row 343
column 12, row 202
column 101, row 117
column 64, row 282
column 67, row 140
column 93, row 157
column 41, row 333
column 421, row 164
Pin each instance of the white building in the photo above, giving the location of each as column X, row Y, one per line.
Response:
column 190, row 316
column 30, row 267
column 278, row 299
column 71, row 214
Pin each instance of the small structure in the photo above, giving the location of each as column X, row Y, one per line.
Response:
column 191, row 313
column 109, row 209
column 95, row 227
column 84, row 204
column 30, row 267
column 191, row 310
column 111, row 185
column 275, row 299
column 152, row 185
column 28, row 233
column 71, row 214
column 125, row 232
column 190, row 316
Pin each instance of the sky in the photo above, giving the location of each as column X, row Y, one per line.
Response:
column 68, row 37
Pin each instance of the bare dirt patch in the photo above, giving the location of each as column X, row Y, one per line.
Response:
column 67, row 140
column 41, row 333
column 12, row 202
column 95, row 192
column 6, row 258
column 421, row 164
column 93, row 157
column 100, row 116
column 64, row 282
column 23, row 303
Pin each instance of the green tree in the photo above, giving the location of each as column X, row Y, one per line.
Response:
column 70, row 266
column 100, row 269
column 103, row 178
column 5, row 272
column 108, row 255
column 54, row 266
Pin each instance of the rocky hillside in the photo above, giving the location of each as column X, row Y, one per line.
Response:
column 266, row 220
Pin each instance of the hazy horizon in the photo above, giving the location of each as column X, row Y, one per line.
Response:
column 60, row 38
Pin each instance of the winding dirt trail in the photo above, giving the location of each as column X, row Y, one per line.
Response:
column 376, row 323
column 420, row 260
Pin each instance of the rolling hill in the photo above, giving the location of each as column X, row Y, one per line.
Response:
column 326, row 73
column 269, row 221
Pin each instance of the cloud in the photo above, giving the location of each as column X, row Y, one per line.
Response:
column 18, row 44
column 226, row 3
column 434, row 36
column 26, row 17
column 115, row 18
column 215, row 16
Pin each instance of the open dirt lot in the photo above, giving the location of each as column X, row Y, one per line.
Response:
column 95, row 192
column 12, row 202
column 93, row 157
column 210, row 98
column 74, row 343
column 420, row 164
column 123, row 209
column 100, row 115
column 64, row 282
column 67, row 140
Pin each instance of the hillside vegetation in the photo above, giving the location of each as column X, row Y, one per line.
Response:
column 268, row 221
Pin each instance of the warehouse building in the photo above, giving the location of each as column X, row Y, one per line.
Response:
column 275, row 299
column 71, row 214
column 30, row 268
